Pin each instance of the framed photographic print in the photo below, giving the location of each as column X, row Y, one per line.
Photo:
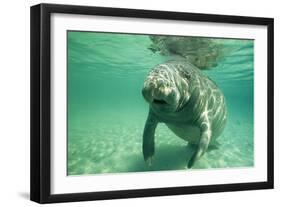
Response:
column 133, row 103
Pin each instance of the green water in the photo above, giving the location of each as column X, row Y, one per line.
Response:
column 107, row 113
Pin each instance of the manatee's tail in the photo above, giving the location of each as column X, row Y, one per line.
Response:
column 204, row 53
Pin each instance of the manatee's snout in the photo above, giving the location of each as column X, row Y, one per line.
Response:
column 157, row 92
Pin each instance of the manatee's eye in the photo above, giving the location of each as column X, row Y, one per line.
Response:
column 187, row 75
column 184, row 73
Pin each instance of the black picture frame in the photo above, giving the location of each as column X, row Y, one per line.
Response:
column 40, row 184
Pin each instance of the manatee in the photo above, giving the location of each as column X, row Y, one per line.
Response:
column 188, row 102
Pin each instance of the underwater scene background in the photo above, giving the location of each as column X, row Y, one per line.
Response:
column 106, row 111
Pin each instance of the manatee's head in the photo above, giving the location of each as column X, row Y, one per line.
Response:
column 167, row 88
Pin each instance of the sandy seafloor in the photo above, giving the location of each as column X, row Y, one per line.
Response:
column 106, row 112
column 91, row 151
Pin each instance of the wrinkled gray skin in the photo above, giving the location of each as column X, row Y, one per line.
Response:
column 188, row 102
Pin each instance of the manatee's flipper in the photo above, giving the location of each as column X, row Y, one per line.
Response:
column 203, row 143
column 148, row 138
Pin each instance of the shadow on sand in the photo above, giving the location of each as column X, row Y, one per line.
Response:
column 167, row 157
